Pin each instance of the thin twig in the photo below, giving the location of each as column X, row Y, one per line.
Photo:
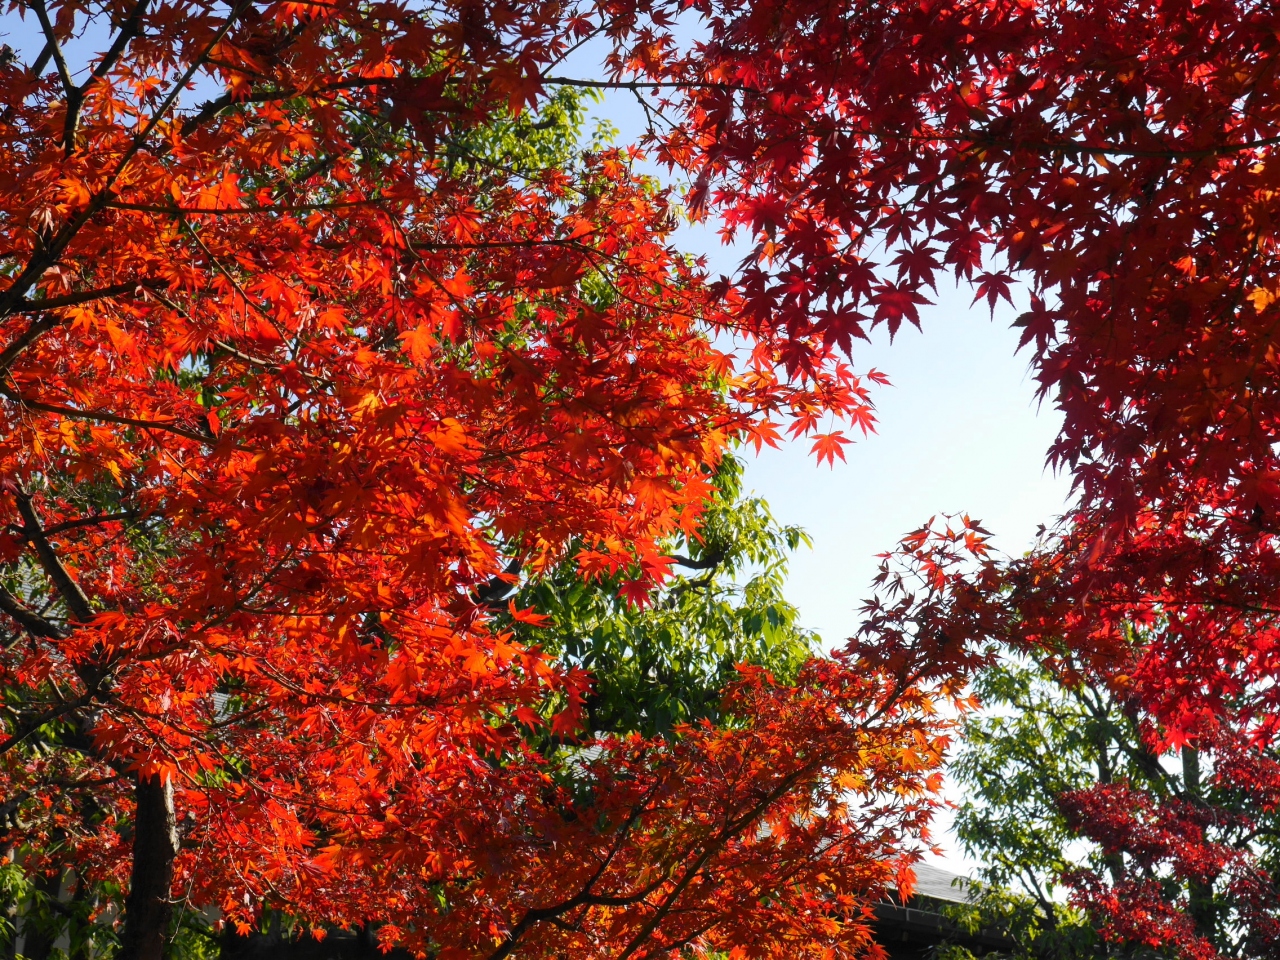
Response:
column 104, row 416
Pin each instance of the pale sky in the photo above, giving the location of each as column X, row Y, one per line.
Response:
column 959, row 432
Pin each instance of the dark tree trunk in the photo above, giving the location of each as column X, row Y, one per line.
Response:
column 155, row 844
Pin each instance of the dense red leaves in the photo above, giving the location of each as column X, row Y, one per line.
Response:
column 1115, row 159
column 793, row 818
column 335, row 375
column 289, row 376
column 1175, row 614
column 1157, row 847
column 1118, row 159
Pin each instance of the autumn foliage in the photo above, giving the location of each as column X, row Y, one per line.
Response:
column 298, row 368
column 1118, row 160
column 295, row 367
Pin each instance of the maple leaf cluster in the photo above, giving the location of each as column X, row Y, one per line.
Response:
column 1119, row 161
column 292, row 374
column 296, row 364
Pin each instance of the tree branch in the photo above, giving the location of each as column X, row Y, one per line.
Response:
column 41, row 61
column 979, row 139
column 27, row 618
column 709, row 562
column 731, row 829
column 52, row 45
column 498, row 588
column 211, row 108
column 104, row 417
column 83, row 296
column 75, row 599
column 33, row 724
column 584, row 896
column 47, row 323
column 52, row 252
column 648, row 84
column 276, row 208
column 25, row 339
column 91, row 521
column 128, row 30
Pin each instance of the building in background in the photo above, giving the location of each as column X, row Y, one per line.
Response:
column 913, row 930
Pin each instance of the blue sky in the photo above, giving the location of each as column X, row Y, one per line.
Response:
column 959, row 431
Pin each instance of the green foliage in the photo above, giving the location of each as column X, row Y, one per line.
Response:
column 51, row 916
column 1047, row 732
column 531, row 141
column 15, row 889
column 667, row 662
column 1042, row 931
column 1034, row 741
column 1042, row 733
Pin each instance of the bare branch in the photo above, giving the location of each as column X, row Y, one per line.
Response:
column 74, row 94
column 92, row 521
column 55, row 50
column 83, row 296
column 41, row 61
column 709, row 562
column 498, row 588
column 128, row 30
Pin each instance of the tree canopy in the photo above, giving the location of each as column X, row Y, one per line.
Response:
column 297, row 380
column 1067, row 793
column 318, row 334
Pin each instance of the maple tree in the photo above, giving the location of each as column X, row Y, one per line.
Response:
column 667, row 662
column 1118, row 162
column 293, row 372
column 306, row 354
